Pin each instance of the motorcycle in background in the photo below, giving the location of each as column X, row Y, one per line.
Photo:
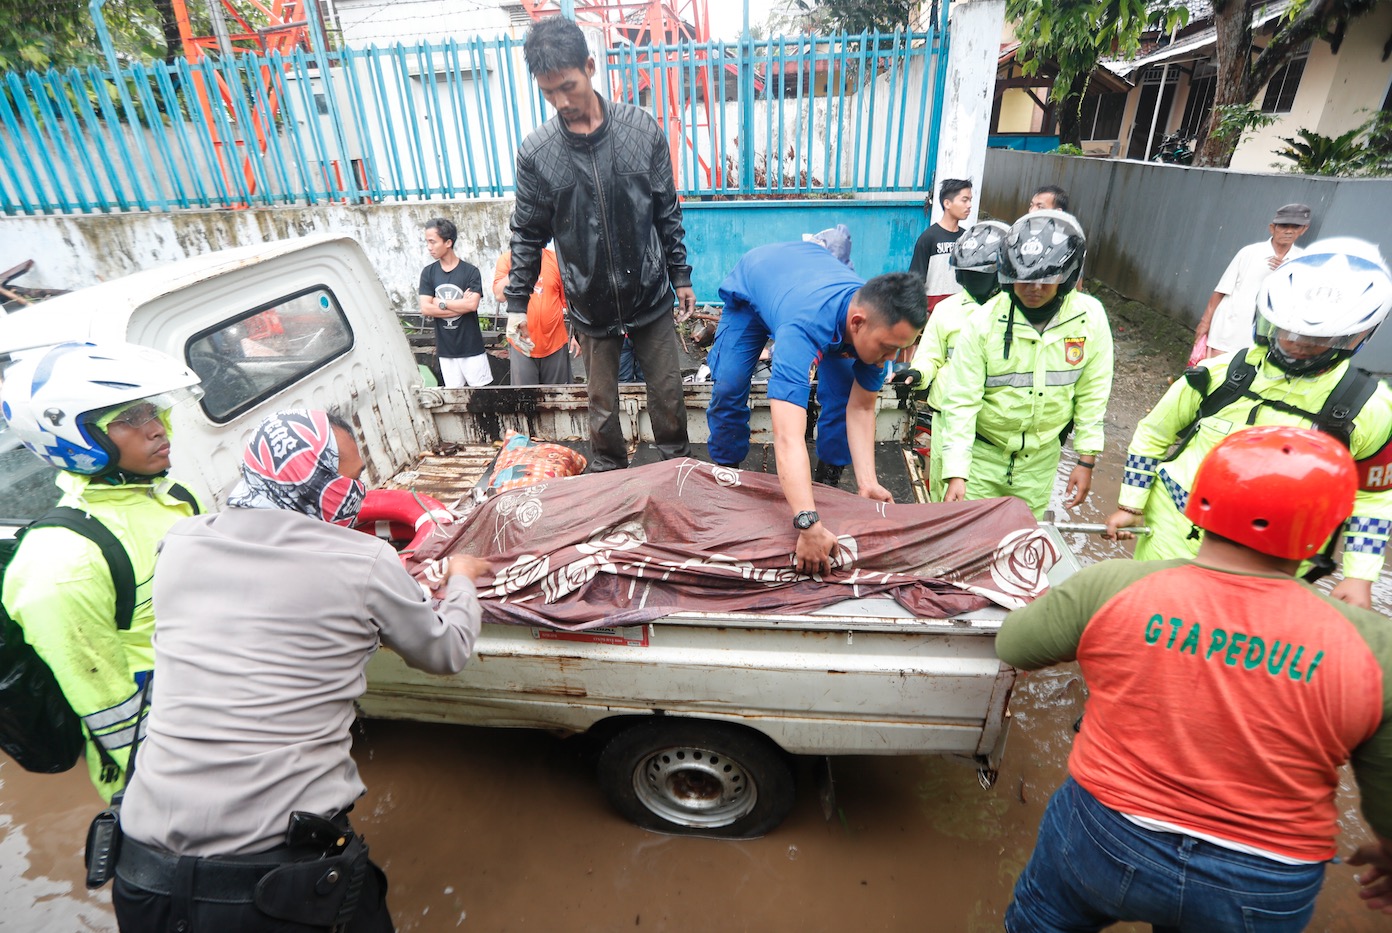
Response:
column 1174, row 149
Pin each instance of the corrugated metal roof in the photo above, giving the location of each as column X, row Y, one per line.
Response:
column 1197, row 45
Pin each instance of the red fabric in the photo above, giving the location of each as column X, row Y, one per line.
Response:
column 1200, row 351
column 1231, row 725
column 629, row 546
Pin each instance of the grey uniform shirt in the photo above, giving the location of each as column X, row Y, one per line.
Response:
column 266, row 620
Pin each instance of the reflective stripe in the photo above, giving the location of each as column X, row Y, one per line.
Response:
column 1139, row 462
column 114, row 741
column 1138, row 480
column 1177, row 494
column 1369, row 526
column 1365, row 545
column 106, row 718
column 1018, row 380
column 1062, row 377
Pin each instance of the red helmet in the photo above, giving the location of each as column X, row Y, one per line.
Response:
column 1278, row 490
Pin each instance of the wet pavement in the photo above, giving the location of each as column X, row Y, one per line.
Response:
column 498, row 830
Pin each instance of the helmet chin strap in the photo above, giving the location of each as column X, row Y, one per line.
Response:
column 119, row 477
column 1309, row 366
column 980, row 295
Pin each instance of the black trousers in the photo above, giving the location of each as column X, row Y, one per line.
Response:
column 655, row 347
column 142, row 911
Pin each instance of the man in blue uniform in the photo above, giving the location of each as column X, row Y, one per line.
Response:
column 821, row 315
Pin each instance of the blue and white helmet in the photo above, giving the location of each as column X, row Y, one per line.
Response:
column 1320, row 308
column 53, row 398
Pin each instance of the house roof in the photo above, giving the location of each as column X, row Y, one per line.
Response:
column 1198, row 45
column 1102, row 79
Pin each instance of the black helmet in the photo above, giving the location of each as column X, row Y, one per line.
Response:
column 979, row 248
column 1047, row 247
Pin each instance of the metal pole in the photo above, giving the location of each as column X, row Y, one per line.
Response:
column 104, row 37
column 568, row 9
column 224, row 39
column 123, row 93
column 746, row 99
column 1159, row 98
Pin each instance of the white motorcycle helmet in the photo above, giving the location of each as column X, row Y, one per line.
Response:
column 53, row 399
column 1320, row 308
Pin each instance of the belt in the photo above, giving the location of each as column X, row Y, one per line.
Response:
column 230, row 880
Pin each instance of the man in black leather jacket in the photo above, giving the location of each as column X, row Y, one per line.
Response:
column 598, row 179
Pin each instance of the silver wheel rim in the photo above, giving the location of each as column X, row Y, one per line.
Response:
column 696, row 787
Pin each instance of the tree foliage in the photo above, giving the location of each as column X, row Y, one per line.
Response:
column 1362, row 151
column 1242, row 74
column 62, row 33
column 1074, row 35
column 853, row 16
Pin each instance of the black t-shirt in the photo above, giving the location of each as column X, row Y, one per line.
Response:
column 454, row 336
column 930, row 260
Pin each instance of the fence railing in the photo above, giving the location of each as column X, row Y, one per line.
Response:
column 789, row 116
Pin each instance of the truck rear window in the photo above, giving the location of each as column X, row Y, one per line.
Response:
column 26, row 482
column 252, row 356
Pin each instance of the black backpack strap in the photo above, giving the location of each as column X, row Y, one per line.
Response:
column 1345, row 403
column 119, row 562
column 183, row 495
column 1238, row 383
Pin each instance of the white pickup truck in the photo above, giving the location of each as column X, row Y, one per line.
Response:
column 695, row 714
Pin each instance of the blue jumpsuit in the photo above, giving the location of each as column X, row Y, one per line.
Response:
column 797, row 293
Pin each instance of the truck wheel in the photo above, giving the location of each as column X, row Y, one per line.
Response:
column 697, row 777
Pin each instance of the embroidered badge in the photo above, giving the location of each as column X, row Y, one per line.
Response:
column 1073, row 350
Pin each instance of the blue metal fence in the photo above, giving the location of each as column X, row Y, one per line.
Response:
column 786, row 116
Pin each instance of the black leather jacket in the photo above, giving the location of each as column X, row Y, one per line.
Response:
column 609, row 200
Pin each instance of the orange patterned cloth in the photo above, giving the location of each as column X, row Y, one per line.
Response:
column 524, row 462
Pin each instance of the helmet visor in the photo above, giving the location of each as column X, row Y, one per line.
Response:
column 1298, row 346
column 1009, row 276
column 141, row 411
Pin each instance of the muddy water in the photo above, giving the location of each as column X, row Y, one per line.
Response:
column 492, row 830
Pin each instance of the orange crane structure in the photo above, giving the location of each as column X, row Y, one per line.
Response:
column 272, row 26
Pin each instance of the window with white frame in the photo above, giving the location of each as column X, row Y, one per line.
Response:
column 1282, row 88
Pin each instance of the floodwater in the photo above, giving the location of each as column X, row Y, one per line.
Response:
column 497, row 830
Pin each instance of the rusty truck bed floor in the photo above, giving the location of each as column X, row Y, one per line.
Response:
column 455, row 469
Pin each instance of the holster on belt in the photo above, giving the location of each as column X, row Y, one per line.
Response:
column 323, row 892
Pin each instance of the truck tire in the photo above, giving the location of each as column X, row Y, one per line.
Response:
column 697, row 777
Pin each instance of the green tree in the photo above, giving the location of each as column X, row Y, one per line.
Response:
column 62, row 34
column 1072, row 36
column 1242, row 74
column 1362, row 151
column 853, row 16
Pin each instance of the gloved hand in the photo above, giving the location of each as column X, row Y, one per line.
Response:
column 906, row 377
column 517, row 332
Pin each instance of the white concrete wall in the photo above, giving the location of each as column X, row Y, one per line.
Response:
column 77, row 251
column 971, row 77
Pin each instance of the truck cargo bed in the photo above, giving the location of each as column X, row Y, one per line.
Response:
column 451, row 471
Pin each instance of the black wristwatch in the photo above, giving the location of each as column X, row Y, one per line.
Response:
column 805, row 520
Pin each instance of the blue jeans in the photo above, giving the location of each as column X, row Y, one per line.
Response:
column 732, row 359
column 1092, row 867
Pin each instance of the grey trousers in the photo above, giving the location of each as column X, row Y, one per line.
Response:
column 551, row 370
column 655, row 346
